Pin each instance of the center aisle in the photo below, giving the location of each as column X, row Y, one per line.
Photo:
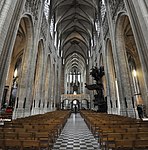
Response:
column 76, row 135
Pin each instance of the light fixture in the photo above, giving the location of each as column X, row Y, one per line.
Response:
column 75, row 93
column 74, row 102
column 134, row 73
column 15, row 73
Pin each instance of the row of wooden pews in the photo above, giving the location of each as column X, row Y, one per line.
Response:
column 33, row 132
column 117, row 132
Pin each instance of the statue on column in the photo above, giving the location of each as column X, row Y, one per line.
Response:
column 99, row 99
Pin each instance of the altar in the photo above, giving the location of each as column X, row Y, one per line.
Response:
column 81, row 101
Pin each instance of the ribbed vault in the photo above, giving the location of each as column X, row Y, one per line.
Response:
column 75, row 24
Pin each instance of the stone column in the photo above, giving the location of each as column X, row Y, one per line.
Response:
column 28, row 67
column 121, row 67
column 69, row 83
column 80, row 84
column 138, row 12
column 9, row 18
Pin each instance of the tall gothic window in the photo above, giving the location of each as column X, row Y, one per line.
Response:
column 103, row 10
column 133, row 70
column 135, row 81
column 46, row 8
column 52, row 27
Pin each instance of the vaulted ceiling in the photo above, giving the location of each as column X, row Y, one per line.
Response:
column 75, row 25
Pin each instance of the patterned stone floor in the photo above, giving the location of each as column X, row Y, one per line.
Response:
column 76, row 135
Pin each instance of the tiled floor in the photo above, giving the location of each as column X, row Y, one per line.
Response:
column 76, row 135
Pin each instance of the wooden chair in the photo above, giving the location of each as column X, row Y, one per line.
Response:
column 25, row 136
column 31, row 144
column 2, row 144
column 111, row 138
column 124, row 144
column 20, row 130
column 2, row 135
column 142, row 135
column 129, row 136
column 8, row 129
column 141, row 144
column 10, row 135
column 46, row 141
column 132, row 130
column 12, row 143
column 143, row 129
column 119, row 130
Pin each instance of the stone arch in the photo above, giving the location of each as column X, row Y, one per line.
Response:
column 38, row 77
column 65, row 104
column 17, row 79
column 84, row 104
column 126, row 48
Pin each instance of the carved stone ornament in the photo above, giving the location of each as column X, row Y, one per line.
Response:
column 32, row 6
column 44, row 26
column 116, row 6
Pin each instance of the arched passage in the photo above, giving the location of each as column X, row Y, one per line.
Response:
column 85, row 104
column 17, row 77
column 75, row 105
column 65, row 104
column 128, row 61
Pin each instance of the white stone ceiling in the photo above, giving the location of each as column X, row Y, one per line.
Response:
column 75, row 24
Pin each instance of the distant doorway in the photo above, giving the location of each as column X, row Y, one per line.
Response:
column 75, row 106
